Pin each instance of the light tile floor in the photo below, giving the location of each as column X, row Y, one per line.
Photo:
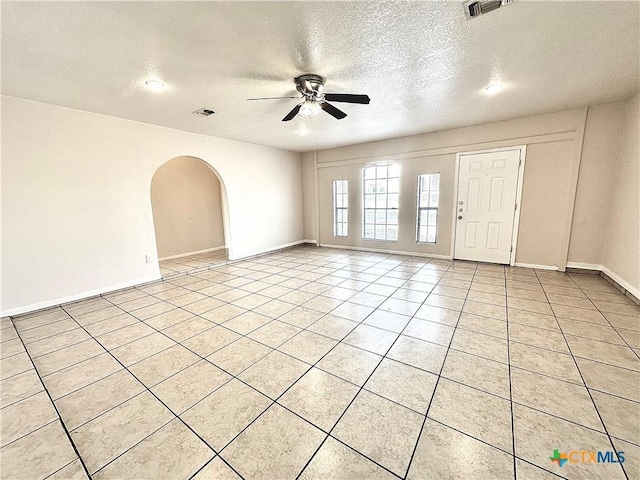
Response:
column 320, row 363
column 178, row 266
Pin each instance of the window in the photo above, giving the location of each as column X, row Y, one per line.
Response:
column 341, row 208
column 381, row 187
column 428, row 197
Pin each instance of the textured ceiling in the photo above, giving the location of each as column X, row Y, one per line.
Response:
column 423, row 65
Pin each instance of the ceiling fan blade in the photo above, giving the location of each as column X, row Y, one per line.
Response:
column 270, row 98
column 333, row 111
column 346, row 97
column 292, row 113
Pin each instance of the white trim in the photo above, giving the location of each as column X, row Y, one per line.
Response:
column 519, row 188
column 584, row 266
column 516, row 216
column 316, row 198
column 309, row 240
column 537, row 267
column 621, row 281
column 78, row 296
column 267, row 250
column 180, row 255
column 468, row 148
column 382, row 250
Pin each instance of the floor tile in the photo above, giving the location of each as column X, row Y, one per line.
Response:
column 406, row 385
column 38, row 455
column 173, row 451
column 350, row 363
column 440, row 444
column 77, row 376
column 610, row 379
column 485, row 325
column 528, row 471
column 71, row 471
column 65, row 357
column 225, row 413
column 631, row 463
column 308, row 346
column 562, row 399
column 352, row 311
column 320, row 398
column 96, row 398
column 538, row 337
column 188, row 328
column 618, row 355
column 481, row 415
column 277, row 445
column 478, row 372
column 620, row 416
column 19, row 387
column 333, row 327
column 440, row 315
column 51, row 344
column 246, row 322
column 429, row 331
column 113, row 433
column 142, row 348
column 216, row 469
column 337, row 461
column 274, row 333
column 239, row 355
column 14, row 365
column 545, row 362
column 189, row 386
column 371, row 339
column 209, row 341
column 169, row 319
column 381, row 430
column 418, row 353
column 162, row 365
column 485, row 346
column 273, row 374
column 26, row 416
column 537, row 434
column 301, row 317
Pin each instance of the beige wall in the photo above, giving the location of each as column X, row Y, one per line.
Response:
column 308, row 197
column 553, row 152
column 621, row 252
column 600, row 151
column 187, row 207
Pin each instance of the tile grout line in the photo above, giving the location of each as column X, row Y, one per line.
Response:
column 513, row 426
column 606, row 432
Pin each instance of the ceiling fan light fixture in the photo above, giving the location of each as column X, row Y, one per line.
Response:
column 494, row 88
column 310, row 109
column 155, row 85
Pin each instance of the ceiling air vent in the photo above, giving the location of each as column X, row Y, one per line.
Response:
column 475, row 8
column 204, row 112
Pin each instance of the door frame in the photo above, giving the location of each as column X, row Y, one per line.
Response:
column 516, row 215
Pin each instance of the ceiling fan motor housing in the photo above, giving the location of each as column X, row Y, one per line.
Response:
column 310, row 85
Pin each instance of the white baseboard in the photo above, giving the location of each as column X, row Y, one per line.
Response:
column 537, row 267
column 392, row 252
column 78, row 296
column 584, row 266
column 308, row 240
column 614, row 276
column 180, row 255
column 266, row 250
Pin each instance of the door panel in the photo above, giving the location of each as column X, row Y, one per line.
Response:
column 485, row 211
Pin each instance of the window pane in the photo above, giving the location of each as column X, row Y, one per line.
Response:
column 392, row 232
column 381, row 186
column 381, row 201
column 393, row 185
column 370, row 172
column 369, row 186
column 340, row 208
column 392, row 217
column 381, row 171
column 369, row 201
column 381, row 216
column 369, row 216
column 428, row 196
column 394, row 170
column 369, row 231
column 380, row 232
column 392, row 200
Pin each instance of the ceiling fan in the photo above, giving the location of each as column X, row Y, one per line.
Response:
column 314, row 100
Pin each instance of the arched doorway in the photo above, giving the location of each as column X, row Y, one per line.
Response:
column 190, row 215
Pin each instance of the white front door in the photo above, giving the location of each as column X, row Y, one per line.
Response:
column 485, row 210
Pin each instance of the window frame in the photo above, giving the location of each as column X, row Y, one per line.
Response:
column 428, row 207
column 374, row 196
column 344, row 209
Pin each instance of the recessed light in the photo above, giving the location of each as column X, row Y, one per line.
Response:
column 494, row 88
column 154, row 85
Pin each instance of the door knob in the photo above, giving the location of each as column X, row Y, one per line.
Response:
column 459, row 217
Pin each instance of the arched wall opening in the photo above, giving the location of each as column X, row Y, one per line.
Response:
column 190, row 214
